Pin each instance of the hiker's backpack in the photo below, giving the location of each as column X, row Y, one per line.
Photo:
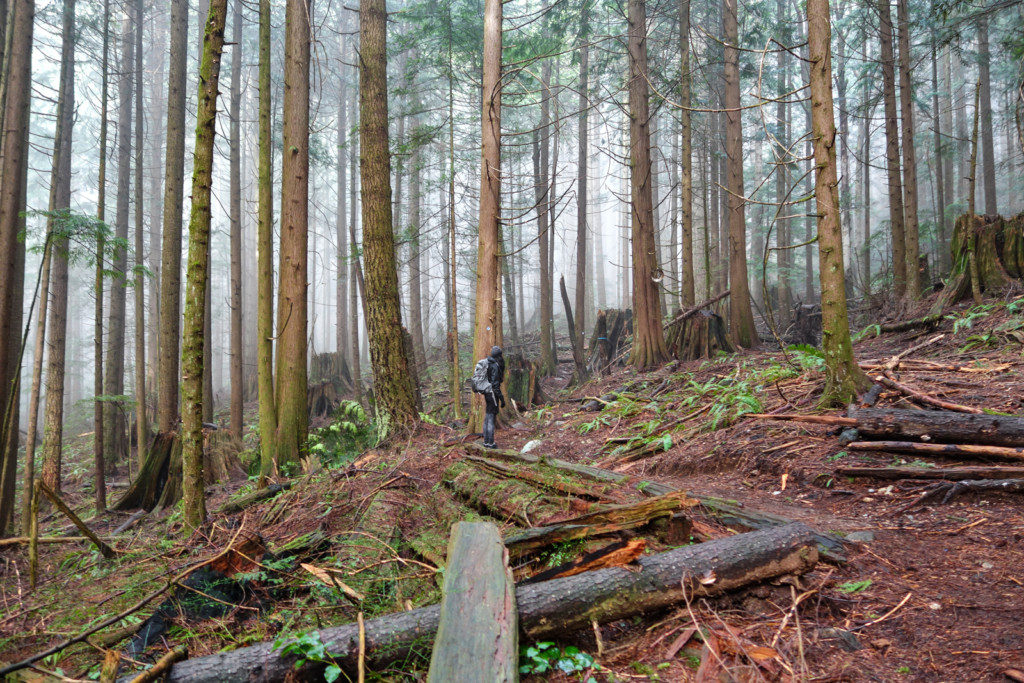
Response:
column 480, row 383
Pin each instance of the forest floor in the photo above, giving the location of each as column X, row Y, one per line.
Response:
column 934, row 592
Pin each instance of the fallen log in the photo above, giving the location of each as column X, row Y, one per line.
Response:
column 953, row 489
column 809, row 419
column 18, row 540
column 951, row 450
column 607, row 521
column 724, row 511
column 107, row 552
column 559, row 485
column 947, row 473
column 259, row 495
column 938, row 425
column 546, row 608
column 505, row 499
column 477, row 629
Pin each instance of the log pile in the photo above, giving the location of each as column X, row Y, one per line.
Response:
column 945, row 434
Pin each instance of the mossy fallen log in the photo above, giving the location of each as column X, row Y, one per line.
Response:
column 544, row 609
column 477, row 632
column 505, row 499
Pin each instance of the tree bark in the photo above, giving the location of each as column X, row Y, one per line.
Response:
column 843, row 377
column 581, row 188
column 988, row 157
column 38, row 354
column 477, row 628
column 292, row 324
column 542, row 182
column 892, row 150
column 174, row 190
column 648, row 336
column 741, row 318
column 947, row 473
column 60, row 201
column 393, row 387
column 415, row 323
column 962, row 451
column 910, row 227
column 265, row 261
column 98, row 447
column 198, row 275
column 139, row 372
column 235, row 208
column 545, row 608
column 686, row 282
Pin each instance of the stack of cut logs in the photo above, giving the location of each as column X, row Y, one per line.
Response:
column 945, row 434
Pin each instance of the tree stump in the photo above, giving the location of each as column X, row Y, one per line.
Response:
column 522, row 385
column 700, row 335
column 998, row 247
column 610, row 331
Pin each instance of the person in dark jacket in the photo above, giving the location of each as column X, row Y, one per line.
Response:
column 493, row 399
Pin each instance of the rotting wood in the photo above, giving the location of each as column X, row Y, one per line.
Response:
column 259, row 495
column 477, row 632
column 618, row 554
column 606, row 521
column 938, row 425
column 809, row 419
column 952, row 489
column 947, row 473
column 950, row 450
column 505, row 499
column 19, row 540
column 547, row 608
column 563, row 485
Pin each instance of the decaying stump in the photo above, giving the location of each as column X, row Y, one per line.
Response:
column 477, row 632
column 522, row 385
column 608, row 340
column 544, row 609
column 806, row 325
column 701, row 335
column 156, row 475
column 997, row 245
column 323, row 399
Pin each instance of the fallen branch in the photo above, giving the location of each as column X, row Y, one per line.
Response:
column 921, row 397
column 894, row 362
column 954, row 489
column 947, row 473
column 950, row 450
column 157, row 671
column 239, row 504
column 18, row 540
column 618, row 554
column 558, row 606
column 107, row 552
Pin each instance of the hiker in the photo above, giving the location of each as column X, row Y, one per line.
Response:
column 487, row 378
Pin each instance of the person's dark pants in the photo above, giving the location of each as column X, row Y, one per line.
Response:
column 490, row 413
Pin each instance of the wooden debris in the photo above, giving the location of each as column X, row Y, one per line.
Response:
column 921, row 397
column 546, row 608
column 617, row 554
column 809, row 419
column 947, row 473
column 257, row 496
column 950, row 450
column 157, row 671
column 606, row 521
column 954, row 489
column 937, row 425
column 698, row 332
column 107, row 552
column 477, row 631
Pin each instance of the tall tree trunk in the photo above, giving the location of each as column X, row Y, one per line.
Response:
column 488, row 324
column 415, row 323
column 114, row 436
column 988, row 156
column 342, row 323
column 865, row 170
column 198, row 273
column 453, row 310
column 60, row 201
column 843, row 377
column 291, row 381
column 235, row 201
column 940, row 181
column 98, row 445
column 394, row 393
column 354, row 286
column 581, row 186
column 265, row 261
column 686, row 282
column 543, row 181
column 648, row 336
column 783, row 174
column 174, row 184
column 946, row 118
column 38, row 354
column 155, row 142
column 141, row 413
column 892, row 150
column 910, row 229
column 741, row 318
